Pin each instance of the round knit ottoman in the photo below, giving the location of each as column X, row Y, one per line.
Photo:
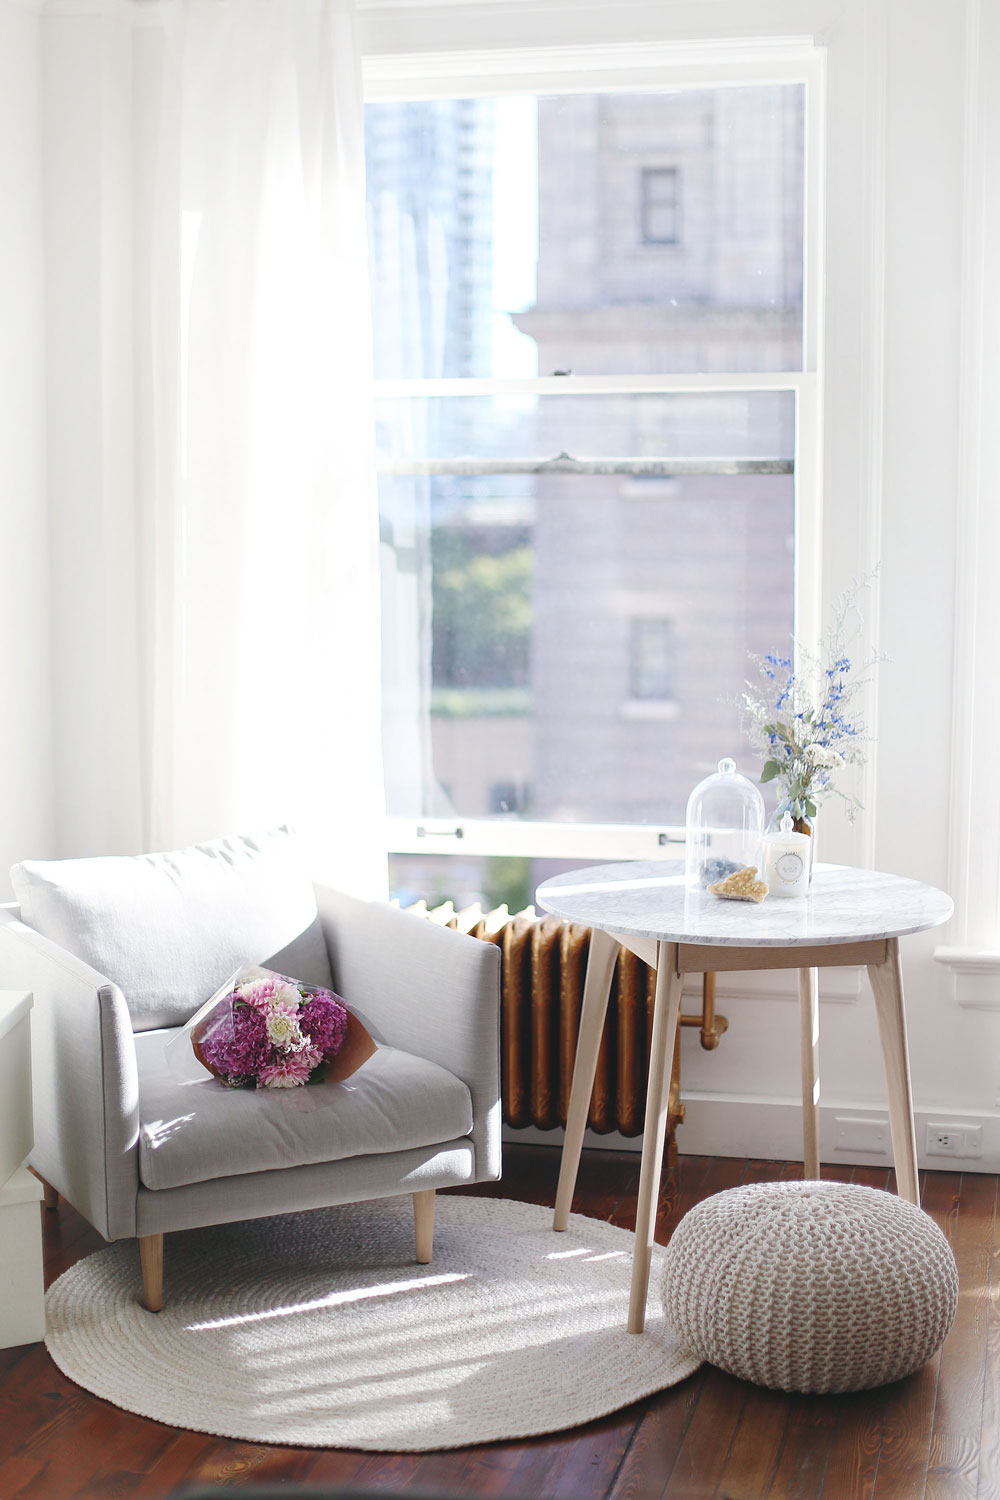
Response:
column 810, row 1286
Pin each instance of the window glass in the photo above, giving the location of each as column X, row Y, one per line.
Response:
column 469, row 880
column 525, row 235
column 652, row 669
column 528, row 620
column 660, row 205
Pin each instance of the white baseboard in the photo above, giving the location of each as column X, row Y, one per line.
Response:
column 771, row 1128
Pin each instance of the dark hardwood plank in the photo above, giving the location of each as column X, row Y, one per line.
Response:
column 852, row 1462
column 179, row 1464
column 953, row 1456
column 753, row 1456
column 711, row 1436
column 701, row 1458
column 988, row 1485
column 17, row 1473
column 805, row 1453
column 656, row 1442
column 873, row 1177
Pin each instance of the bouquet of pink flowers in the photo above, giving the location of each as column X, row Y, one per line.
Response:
column 267, row 1031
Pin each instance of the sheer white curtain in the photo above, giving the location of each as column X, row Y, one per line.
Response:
column 256, row 542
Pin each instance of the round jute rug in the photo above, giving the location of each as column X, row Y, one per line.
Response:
column 321, row 1329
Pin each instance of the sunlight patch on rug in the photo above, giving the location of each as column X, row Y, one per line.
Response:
column 320, row 1329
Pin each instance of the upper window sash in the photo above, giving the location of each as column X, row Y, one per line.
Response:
column 652, row 68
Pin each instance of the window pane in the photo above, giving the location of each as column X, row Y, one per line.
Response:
column 570, row 646
column 660, row 205
column 467, row 880
column 526, row 235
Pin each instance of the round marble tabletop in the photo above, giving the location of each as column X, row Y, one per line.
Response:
column 648, row 898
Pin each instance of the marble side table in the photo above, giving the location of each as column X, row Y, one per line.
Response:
column 849, row 917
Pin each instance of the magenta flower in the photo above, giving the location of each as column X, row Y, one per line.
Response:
column 324, row 1021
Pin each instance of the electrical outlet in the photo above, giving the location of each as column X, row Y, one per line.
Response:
column 862, row 1133
column 950, row 1139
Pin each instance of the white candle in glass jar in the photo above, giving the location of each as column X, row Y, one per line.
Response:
column 786, row 860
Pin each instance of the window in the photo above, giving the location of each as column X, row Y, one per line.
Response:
column 576, row 564
column 660, row 205
column 651, row 660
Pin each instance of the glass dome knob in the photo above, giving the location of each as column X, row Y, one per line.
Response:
column 727, row 767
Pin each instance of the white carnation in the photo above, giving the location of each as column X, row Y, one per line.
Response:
column 284, row 1032
column 287, row 994
column 823, row 756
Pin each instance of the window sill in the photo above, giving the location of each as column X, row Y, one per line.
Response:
column 975, row 976
column 656, row 710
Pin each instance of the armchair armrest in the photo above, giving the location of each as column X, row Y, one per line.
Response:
column 85, row 1084
column 431, row 991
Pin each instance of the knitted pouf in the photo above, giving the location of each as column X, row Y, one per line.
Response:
column 810, row 1286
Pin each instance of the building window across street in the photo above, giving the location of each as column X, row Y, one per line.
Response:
column 588, row 459
column 660, row 205
column 651, row 667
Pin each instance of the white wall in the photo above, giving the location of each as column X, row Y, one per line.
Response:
column 27, row 823
column 904, row 182
column 901, row 153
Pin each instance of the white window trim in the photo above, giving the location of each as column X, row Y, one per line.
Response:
column 436, row 74
column 973, row 860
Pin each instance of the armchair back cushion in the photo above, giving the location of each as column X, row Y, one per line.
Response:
column 168, row 929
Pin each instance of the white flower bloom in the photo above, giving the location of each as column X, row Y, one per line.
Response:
column 823, row 756
column 284, row 1032
column 282, row 1081
column 287, row 994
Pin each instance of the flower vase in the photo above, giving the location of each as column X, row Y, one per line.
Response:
column 801, row 823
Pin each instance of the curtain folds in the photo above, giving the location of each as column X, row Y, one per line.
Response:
column 257, row 691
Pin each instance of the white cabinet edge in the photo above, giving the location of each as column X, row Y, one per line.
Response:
column 14, row 1006
column 22, row 1187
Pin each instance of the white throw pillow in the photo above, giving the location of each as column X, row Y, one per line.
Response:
column 168, row 929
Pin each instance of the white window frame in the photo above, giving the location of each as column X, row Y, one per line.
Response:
column 648, row 68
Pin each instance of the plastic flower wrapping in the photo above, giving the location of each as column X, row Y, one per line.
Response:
column 264, row 1030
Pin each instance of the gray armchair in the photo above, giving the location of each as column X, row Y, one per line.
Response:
column 139, row 1153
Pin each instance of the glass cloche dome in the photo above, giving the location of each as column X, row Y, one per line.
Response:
column 725, row 827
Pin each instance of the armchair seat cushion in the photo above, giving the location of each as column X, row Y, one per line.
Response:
column 194, row 1132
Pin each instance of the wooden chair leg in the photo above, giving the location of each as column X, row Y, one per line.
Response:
column 151, row 1260
column 423, row 1219
column 49, row 1195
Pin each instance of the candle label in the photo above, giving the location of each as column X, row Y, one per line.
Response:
column 790, row 867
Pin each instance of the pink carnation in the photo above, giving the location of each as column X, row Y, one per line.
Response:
column 289, row 1069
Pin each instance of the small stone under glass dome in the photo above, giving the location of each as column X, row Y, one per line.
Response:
column 725, row 827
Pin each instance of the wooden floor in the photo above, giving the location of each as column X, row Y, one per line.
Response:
column 934, row 1435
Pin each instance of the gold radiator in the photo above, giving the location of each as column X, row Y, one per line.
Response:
column 544, row 961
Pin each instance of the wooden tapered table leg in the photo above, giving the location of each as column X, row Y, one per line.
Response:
column 666, row 1009
column 887, row 987
column 809, row 1024
column 596, row 989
